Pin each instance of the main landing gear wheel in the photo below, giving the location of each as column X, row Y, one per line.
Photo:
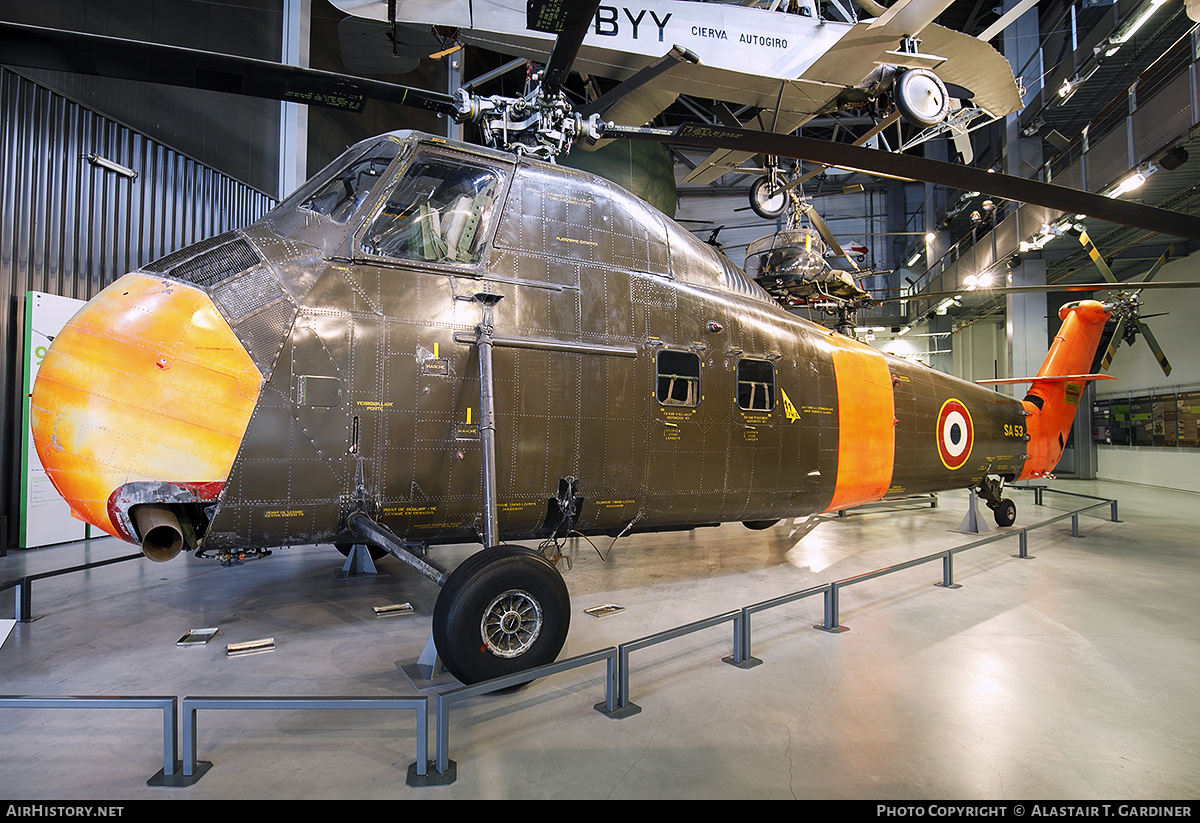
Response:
column 921, row 97
column 501, row 611
column 1005, row 512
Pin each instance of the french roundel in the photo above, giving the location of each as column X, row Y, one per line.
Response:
column 955, row 434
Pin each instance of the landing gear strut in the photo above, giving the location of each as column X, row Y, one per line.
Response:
column 1004, row 511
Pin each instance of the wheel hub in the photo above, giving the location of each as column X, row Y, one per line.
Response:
column 511, row 623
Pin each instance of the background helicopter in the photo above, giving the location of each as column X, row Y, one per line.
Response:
column 323, row 294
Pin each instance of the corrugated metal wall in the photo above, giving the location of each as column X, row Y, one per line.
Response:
column 69, row 227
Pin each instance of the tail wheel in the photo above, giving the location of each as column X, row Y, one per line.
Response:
column 766, row 205
column 501, row 611
column 1005, row 512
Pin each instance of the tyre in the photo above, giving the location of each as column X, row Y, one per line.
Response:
column 763, row 203
column 759, row 525
column 1005, row 512
column 502, row 610
column 921, row 97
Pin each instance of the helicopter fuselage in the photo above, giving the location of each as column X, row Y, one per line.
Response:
column 634, row 366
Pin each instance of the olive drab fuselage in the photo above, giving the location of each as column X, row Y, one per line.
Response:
column 634, row 366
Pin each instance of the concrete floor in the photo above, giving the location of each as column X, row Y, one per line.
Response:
column 1069, row 676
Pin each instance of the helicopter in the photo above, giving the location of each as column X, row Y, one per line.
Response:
column 432, row 342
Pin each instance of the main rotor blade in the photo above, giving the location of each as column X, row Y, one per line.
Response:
column 908, row 167
column 103, row 56
column 825, row 233
column 1154, row 347
column 1055, row 287
column 651, row 72
column 570, row 21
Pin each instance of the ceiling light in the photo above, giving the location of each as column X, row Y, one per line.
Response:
column 1128, row 183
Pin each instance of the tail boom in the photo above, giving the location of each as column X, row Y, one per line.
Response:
column 1053, row 396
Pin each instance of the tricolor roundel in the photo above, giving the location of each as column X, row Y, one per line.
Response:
column 955, row 434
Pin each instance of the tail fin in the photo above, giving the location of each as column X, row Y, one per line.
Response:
column 1053, row 397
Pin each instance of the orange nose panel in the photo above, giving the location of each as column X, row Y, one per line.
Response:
column 147, row 382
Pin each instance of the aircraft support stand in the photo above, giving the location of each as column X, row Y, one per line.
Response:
column 973, row 523
column 359, row 564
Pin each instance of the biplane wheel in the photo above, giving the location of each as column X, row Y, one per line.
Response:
column 376, row 552
column 763, row 203
column 921, row 97
column 1005, row 512
column 501, row 611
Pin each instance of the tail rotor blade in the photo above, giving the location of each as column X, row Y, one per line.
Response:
column 1097, row 258
column 1113, row 344
column 1158, row 264
column 1154, row 347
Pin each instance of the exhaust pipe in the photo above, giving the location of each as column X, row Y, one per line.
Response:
column 162, row 536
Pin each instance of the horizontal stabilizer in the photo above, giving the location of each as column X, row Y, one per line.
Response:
column 1047, row 379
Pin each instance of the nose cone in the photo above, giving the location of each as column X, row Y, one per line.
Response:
column 147, row 384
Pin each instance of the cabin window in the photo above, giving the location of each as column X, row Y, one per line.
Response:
column 755, row 385
column 438, row 212
column 678, row 378
column 345, row 185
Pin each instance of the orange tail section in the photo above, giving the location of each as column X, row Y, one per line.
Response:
column 1053, row 398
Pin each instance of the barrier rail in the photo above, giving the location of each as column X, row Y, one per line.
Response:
column 742, row 639
column 617, row 704
column 23, row 586
column 193, row 769
column 165, row 704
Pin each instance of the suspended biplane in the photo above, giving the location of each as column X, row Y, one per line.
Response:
column 432, row 342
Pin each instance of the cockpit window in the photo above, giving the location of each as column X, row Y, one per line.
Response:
column 438, row 212
column 341, row 188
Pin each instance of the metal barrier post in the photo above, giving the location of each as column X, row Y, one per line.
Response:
column 948, row 572
column 23, row 601
column 831, row 611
